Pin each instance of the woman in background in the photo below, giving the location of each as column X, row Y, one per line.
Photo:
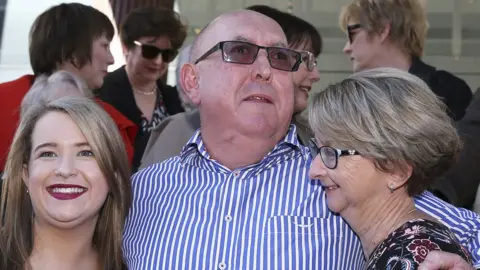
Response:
column 151, row 39
column 72, row 37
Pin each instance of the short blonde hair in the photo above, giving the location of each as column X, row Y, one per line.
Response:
column 391, row 116
column 109, row 151
column 48, row 88
column 407, row 19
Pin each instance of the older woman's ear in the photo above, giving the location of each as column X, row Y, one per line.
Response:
column 399, row 177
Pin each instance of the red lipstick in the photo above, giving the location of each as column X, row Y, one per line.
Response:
column 66, row 192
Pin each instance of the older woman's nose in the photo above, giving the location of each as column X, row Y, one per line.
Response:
column 317, row 168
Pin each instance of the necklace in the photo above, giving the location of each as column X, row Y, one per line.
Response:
column 149, row 93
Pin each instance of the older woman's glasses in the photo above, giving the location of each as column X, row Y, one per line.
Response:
column 350, row 31
column 309, row 59
column 329, row 154
column 151, row 52
column 241, row 52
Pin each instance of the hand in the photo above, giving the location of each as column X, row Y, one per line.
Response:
column 440, row 260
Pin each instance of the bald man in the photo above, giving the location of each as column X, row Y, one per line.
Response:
column 238, row 196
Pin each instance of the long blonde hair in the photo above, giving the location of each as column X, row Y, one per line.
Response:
column 16, row 239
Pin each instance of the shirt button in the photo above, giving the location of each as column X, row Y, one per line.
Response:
column 236, row 173
column 228, row 218
column 222, row 265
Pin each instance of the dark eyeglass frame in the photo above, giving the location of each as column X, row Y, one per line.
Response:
column 309, row 59
column 220, row 45
column 316, row 150
column 350, row 32
column 168, row 55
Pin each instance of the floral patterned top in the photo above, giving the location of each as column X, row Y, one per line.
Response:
column 406, row 247
column 159, row 113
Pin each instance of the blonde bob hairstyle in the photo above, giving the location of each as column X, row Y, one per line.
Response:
column 393, row 118
column 407, row 19
column 16, row 237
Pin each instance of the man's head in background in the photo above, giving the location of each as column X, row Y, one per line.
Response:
column 305, row 38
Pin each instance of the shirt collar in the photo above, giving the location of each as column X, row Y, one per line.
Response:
column 196, row 146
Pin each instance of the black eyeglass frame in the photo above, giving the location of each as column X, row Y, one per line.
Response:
column 350, row 29
column 316, row 150
column 219, row 46
column 172, row 53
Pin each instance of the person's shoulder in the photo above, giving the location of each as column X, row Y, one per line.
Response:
column 121, row 120
column 180, row 120
column 18, row 87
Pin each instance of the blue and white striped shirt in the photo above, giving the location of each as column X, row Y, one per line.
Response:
column 190, row 212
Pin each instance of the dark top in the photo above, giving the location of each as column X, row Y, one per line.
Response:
column 459, row 184
column 118, row 91
column 454, row 92
column 406, row 247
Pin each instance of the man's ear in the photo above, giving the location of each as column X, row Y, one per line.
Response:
column 189, row 81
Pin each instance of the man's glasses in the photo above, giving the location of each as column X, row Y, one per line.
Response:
column 350, row 31
column 241, row 52
column 309, row 59
column 152, row 52
column 329, row 154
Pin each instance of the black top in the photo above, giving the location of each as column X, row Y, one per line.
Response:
column 406, row 247
column 118, row 92
column 459, row 183
column 454, row 92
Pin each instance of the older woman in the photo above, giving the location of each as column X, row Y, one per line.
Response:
column 80, row 44
column 66, row 190
column 151, row 39
column 382, row 137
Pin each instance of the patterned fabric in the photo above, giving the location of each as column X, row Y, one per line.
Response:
column 191, row 212
column 408, row 246
column 158, row 115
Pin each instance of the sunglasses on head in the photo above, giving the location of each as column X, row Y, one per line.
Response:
column 309, row 59
column 152, row 52
column 241, row 52
column 350, row 29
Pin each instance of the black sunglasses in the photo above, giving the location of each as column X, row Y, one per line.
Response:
column 241, row 52
column 309, row 60
column 151, row 52
column 329, row 154
column 350, row 32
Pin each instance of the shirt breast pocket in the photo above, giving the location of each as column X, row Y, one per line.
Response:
column 297, row 242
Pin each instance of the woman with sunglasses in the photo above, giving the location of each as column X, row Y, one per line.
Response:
column 151, row 38
column 381, row 138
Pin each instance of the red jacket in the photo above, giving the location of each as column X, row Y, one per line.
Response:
column 11, row 96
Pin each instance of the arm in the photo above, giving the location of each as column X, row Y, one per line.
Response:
column 463, row 223
column 439, row 260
